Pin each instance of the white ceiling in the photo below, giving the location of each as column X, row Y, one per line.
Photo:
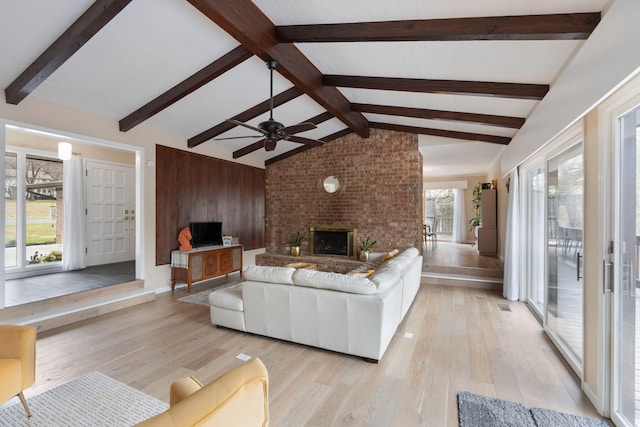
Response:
column 154, row 44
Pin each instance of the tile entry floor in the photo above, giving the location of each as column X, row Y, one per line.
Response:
column 38, row 288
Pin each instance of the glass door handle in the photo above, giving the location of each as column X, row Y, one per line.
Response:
column 607, row 276
column 578, row 276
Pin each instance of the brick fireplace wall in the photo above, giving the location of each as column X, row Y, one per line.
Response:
column 380, row 194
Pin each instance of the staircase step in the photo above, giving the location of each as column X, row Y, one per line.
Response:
column 470, row 271
column 464, row 280
column 61, row 311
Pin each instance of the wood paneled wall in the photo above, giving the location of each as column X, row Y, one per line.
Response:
column 191, row 187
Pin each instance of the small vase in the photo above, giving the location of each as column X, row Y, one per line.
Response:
column 364, row 256
column 295, row 250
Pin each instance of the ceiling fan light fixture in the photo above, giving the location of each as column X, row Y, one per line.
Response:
column 273, row 131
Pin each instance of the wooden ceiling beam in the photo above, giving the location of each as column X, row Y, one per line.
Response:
column 302, row 148
column 455, row 116
column 184, row 88
column 286, row 96
column 320, row 118
column 451, row 87
column 81, row 31
column 443, row 133
column 244, row 21
column 248, row 149
column 566, row 26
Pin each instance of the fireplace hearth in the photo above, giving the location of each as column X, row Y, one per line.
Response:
column 333, row 241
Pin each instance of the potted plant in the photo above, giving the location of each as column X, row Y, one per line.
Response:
column 365, row 246
column 475, row 206
column 295, row 241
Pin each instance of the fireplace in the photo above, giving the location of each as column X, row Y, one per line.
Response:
column 333, row 241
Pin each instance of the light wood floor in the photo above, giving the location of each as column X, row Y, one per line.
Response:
column 453, row 254
column 463, row 339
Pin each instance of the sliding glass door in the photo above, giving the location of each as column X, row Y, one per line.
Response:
column 626, row 323
column 534, row 215
column 565, row 203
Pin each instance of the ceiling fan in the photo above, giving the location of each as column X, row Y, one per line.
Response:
column 273, row 131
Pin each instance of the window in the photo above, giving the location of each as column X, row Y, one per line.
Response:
column 439, row 204
column 33, row 210
column 10, row 210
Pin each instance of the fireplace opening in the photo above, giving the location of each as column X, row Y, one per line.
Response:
column 332, row 241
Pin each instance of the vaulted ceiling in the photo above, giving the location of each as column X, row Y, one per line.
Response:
column 464, row 75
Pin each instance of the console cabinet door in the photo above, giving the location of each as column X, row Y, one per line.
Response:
column 226, row 261
column 211, row 268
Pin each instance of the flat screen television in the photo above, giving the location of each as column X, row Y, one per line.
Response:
column 206, row 233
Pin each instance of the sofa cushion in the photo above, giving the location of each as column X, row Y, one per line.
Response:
column 385, row 277
column 10, row 372
column 334, row 281
column 229, row 298
column 261, row 273
column 364, row 268
column 403, row 259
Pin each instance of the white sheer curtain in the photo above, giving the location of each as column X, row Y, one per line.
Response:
column 459, row 217
column 74, row 218
column 511, row 287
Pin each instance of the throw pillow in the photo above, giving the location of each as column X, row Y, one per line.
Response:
column 390, row 255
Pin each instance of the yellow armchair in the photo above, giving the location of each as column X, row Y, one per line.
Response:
column 240, row 397
column 17, row 362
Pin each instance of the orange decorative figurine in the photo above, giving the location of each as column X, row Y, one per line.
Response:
column 185, row 239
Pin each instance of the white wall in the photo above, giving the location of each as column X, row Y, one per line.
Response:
column 608, row 58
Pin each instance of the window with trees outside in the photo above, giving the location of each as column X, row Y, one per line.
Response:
column 33, row 210
column 439, row 204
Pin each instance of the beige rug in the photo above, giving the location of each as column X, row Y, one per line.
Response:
column 91, row 400
column 202, row 298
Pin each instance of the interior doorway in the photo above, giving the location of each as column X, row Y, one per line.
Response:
column 33, row 276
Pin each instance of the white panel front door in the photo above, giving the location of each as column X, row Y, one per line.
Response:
column 110, row 228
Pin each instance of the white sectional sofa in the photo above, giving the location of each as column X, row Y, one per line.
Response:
column 348, row 313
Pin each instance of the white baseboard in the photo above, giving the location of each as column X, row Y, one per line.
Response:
column 164, row 289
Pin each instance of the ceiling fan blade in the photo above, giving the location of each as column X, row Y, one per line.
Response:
column 238, row 123
column 238, row 137
column 300, row 127
column 305, row 141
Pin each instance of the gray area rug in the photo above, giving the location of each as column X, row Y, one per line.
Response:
column 475, row 410
column 91, row 400
column 202, row 298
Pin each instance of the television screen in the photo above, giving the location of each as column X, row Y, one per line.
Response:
column 206, row 233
